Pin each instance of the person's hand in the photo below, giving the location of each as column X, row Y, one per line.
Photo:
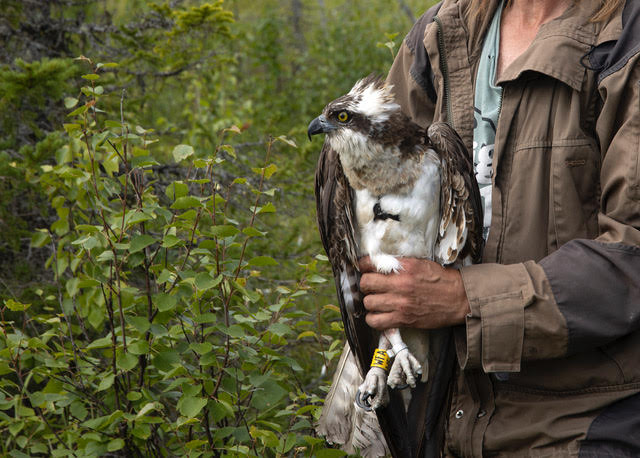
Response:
column 423, row 294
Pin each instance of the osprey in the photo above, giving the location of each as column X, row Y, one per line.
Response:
column 387, row 188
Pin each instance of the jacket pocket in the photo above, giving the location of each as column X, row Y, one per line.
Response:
column 574, row 191
column 553, row 197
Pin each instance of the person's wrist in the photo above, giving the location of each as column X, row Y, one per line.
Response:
column 462, row 303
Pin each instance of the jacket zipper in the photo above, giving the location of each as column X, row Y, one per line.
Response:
column 444, row 66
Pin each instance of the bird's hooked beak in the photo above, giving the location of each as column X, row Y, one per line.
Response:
column 320, row 125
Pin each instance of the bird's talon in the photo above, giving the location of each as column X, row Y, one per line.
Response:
column 362, row 401
column 404, row 386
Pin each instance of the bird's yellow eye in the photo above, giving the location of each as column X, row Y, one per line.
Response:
column 343, row 116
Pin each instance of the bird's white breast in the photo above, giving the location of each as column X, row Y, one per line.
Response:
column 419, row 214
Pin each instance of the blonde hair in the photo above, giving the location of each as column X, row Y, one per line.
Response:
column 606, row 10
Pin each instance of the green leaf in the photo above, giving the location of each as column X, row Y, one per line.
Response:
column 106, row 382
column 140, row 242
column 287, row 442
column 185, row 202
column 205, row 281
column 105, row 256
column 78, row 410
column 126, row 361
column 268, row 208
column 253, row 232
column 181, row 152
column 304, row 334
column 191, row 406
column 143, row 161
column 201, row 348
column 148, row 407
column 280, row 329
column 107, row 65
column 15, row 427
column 141, row 347
column 115, row 445
column 330, row 453
column 135, row 217
column 263, row 261
column 166, row 360
column 40, row 238
column 229, row 149
column 170, row 241
column 270, row 170
column 103, row 342
column 16, row 306
column 113, row 124
column 221, row 409
column 164, row 276
column 165, row 302
column 91, row 77
column 141, row 323
column 224, row 231
column 176, row 189
column 268, row 438
column 286, row 140
column 195, row 443
column 70, row 102
column 268, row 395
column 72, row 286
column 79, row 110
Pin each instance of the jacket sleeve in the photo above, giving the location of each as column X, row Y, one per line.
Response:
column 587, row 293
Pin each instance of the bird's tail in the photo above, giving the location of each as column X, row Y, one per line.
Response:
column 342, row 422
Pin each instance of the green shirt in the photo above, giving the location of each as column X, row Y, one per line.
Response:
column 487, row 104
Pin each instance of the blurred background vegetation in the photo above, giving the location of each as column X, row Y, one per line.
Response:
column 162, row 288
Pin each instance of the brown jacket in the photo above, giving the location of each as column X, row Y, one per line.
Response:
column 550, row 355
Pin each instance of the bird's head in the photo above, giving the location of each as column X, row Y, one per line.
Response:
column 367, row 107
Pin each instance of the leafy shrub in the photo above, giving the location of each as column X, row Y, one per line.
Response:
column 161, row 336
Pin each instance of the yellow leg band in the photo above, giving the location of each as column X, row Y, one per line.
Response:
column 380, row 359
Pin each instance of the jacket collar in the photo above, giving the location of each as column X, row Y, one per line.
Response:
column 571, row 36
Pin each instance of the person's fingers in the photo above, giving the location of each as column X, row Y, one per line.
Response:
column 382, row 321
column 380, row 302
column 378, row 283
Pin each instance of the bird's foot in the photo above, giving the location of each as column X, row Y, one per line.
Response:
column 386, row 264
column 405, row 370
column 372, row 394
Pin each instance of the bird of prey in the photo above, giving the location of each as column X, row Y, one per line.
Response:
column 388, row 188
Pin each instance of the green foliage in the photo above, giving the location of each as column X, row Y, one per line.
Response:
column 161, row 291
column 160, row 336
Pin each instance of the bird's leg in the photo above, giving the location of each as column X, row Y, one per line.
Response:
column 386, row 263
column 405, row 368
column 373, row 394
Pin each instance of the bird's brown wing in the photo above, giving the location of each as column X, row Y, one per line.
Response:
column 461, row 210
column 337, row 225
column 336, row 222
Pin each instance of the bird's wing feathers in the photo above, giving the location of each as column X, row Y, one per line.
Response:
column 341, row 422
column 460, row 233
column 335, row 213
